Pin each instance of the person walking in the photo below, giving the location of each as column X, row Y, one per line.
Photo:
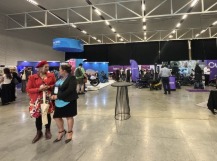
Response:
column 38, row 83
column 25, row 76
column 206, row 72
column 164, row 74
column 65, row 96
column 79, row 74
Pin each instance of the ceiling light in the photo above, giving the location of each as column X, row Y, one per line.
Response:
column 118, row 35
column 99, row 40
column 84, row 32
column 98, row 12
column 184, row 17
column 113, row 29
column 145, row 33
column 145, row 37
column 202, row 31
column 171, row 36
column 144, row 27
column 121, row 39
column 194, row 3
column 33, row 2
column 107, row 23
column 178, row 25
column 214, row 23
column 197, row 35
column 174, row 31
column 143, row 7
column 144, row 19
column 73, row 25
column 94, row 38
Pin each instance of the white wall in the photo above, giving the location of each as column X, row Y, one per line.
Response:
column 27, row 44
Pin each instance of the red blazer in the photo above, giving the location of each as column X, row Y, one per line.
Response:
column 35, row 81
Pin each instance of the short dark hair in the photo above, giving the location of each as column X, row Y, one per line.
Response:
column 80, row 64
column 66, row 67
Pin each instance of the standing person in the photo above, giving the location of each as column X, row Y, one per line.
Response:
column 206, row 71
column 164, row 74
column 65, row 96
column 198, row 73
column 6, row 87
column 25, row 76
column 37, row 83
column 14, row 83
column 79, row 74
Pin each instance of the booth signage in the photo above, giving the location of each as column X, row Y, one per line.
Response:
column 68, row 45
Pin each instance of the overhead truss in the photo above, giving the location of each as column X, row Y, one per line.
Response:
column 161, row 35
column 77, row 16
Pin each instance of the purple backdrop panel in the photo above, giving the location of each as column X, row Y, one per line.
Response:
column 213, row 68
column 113, row 68
column 146, row 67
column 172, row 82
column 134, row 70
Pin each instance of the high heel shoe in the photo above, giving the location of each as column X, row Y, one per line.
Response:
column 57, row 140
column 68, row 140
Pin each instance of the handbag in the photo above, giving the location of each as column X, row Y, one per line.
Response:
column 44, row 109
column 35, row 109
column 15, row 81
column 24, row 75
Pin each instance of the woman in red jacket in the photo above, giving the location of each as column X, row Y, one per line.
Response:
column 37, row 83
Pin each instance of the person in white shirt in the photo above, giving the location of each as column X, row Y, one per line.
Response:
column 206, row 72
column 6, row 87
column 164, row 74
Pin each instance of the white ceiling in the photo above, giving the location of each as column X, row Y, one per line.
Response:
column 160, row 22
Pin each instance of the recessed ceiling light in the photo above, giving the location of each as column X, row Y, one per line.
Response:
column 178, row 25
column 144, row 27
column 84, row 32
column 98, row 12
column 73, row 25
column 33, row 2
column 194, row 3
column 113, row 29
column 143, row 7
column 214, row 23
column 184, row 17
column 144, row 19
column 107, row 23
column 202, row 31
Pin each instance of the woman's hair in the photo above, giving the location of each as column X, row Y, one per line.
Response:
column 7, row 73
column 66, row 67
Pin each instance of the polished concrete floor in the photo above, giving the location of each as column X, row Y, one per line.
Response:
column 161, row 128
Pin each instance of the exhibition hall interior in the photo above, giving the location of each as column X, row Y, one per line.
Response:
column 102, row 80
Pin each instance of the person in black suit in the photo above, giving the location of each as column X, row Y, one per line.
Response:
column 65, row 96
column 16, row 77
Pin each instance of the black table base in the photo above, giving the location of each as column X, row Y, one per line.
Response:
column 122, row 108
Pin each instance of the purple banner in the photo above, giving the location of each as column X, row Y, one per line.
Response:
column 213, row 68
column 172, row 82
column 134, row 70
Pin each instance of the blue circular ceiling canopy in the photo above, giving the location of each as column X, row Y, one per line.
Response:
column 68, row 45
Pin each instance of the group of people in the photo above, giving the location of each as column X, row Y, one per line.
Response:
column 8, row 82
column 60, row 96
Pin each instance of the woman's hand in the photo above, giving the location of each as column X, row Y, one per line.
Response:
column 44, row 87
column 53, row 97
